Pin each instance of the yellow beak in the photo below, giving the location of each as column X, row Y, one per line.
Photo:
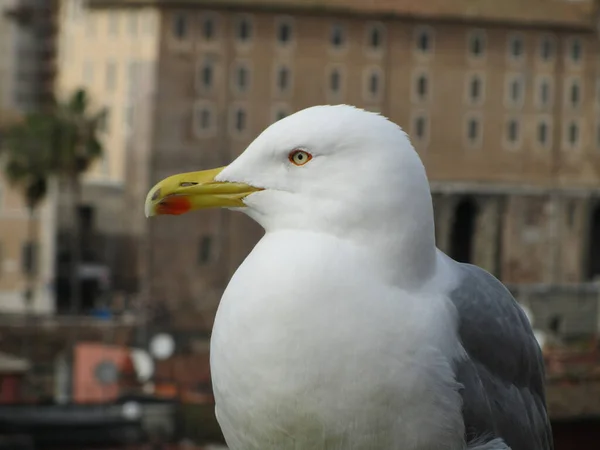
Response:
column 190, row 191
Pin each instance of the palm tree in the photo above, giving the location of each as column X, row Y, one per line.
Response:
column 27, row 166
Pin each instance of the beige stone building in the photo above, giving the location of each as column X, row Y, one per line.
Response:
column 502, row 101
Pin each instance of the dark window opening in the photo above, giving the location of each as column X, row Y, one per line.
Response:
column 513, row 130
column 575, row 95
column 375, row 38
column 242, row 78
column 576, row 51
column 422, row 86
column 205, row 250
column 475, row 89
column 420, row 127
column 593, row 257
column 335, row 81
column 180, row 26
column 473, row 130
column 461, row 239
column 208, row 29
column 424, row 42
column 29, row 258
column 205, row 117
column 543, row 133
column 244, row 30
column 547, row 49
column 516, row 47
column 207, row 76
column 240, row 120
column 515, row 90
column 284, row 33
column 573, row 134
column 477, row 46
column 544, row 93
column 283, row 78
column 337, row 36
column 374, row 84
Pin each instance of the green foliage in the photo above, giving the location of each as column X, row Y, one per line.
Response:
column 61, row 142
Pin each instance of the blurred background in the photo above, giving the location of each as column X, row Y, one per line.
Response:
column 105, row 317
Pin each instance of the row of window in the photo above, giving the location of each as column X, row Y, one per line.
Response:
column 375, row 37
column 513, row 132
column 373, row 85
column 182, row 28
column 204, row 123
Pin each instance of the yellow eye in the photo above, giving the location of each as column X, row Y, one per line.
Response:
column 299, row 157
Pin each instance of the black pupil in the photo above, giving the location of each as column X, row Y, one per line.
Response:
column 300, row 156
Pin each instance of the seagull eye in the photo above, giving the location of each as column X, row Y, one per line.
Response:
column 299, row 157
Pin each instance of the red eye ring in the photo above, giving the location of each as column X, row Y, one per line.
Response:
column 299, row 157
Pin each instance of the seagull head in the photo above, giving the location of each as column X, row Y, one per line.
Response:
column 336, row 169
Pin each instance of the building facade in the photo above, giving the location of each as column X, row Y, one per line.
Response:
column 27, row 29
column 502, row 104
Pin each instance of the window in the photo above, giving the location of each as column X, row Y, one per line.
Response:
column 421, row 87
column 573, row 134
column 373, row 83
column 180, row 26
column 420, row 127
column 241, row 77
column 206, row 76
column 113, row 23
column 516, row 48
column 240, row 120
column 244, row 29
column 283, row 81
column 547, row 48
column 473, row 130
column 29, row 258
column 476, row 44
column 204, row 119
column 515, row 90
column 335, row 80
column 544, row 92
column 208, row 27
column 513, row 132
column 133, row 23
column 111, row 76
column 205, row 250
column 284, row 31
column 575, row 49
column 543, row 130
column 375, row 36
column 574, row 93
column 424, row 40
column 338, row 36
column 475, row 89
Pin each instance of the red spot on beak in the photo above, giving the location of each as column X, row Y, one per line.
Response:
column 174, row 205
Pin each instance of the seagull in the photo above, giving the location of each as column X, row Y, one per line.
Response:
column 346, row 328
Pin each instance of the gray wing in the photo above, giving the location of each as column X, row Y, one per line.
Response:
column 503, row 378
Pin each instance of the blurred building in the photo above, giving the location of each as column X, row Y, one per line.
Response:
column 106, row 53
column 27, row 29
column 501, row 101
